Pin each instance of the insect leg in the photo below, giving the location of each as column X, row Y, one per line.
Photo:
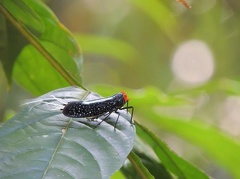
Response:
column 115, row 125
column 103, row 119
column 116, row 120
column 132, row 110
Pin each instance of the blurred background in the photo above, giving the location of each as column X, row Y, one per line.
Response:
column 136, row 44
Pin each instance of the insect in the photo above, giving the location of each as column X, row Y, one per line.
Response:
column 92, row 109
column 184, row 3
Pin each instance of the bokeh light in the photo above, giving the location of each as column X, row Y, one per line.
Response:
column 193, row 62
column 230, row 121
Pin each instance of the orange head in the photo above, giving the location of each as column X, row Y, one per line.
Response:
column 125, row 97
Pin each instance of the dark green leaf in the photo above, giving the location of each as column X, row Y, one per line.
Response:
column 142, row 166
column 169, row 159
column 11, row 43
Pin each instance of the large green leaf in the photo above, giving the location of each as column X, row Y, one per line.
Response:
column 40, row 142
column 52, row 40
column 46, row 77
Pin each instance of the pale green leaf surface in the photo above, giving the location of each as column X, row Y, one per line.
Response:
column 40, row 142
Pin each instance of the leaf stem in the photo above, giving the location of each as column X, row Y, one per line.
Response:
column 137, row 164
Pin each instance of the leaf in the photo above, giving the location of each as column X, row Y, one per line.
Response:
column 40, row 142
column 142, row 170
column 38, row 83
column 41, row 28
column 178, row 166
column 108, row 46
column 11, row 43
column 228, row 86
column 46, row 78
column 142, row 166
column 207, row 137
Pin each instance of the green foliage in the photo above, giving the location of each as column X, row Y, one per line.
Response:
column 139, row 170
column 170, row 160
column 51, row 41
column 39, row 142
column 109, row 47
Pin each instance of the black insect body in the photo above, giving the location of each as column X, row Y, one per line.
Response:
column 93, row 109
